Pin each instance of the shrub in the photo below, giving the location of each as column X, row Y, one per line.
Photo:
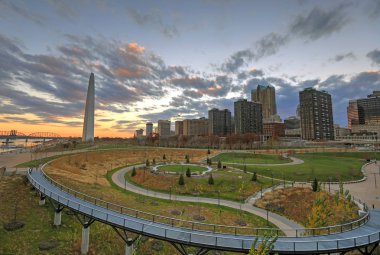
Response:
column 153, row 161
column 147, row 163
column 254, row 177
column 210, row 180
column 219, row 164
column 315, row 185
column 133, row 171
column 164, row 157
column 208, row 151
column 181, row 180
column 188, row 172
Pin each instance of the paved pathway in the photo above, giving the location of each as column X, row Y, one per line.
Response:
column 281, row 222
column 368, row 190
column 295, row 161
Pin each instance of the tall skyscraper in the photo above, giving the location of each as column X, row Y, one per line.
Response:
column 196, row 127
column 369, row 109
column 248, row 117
column 352, row 113
column 266, row 95
column 149, row 129
column 178, row 127
column 219, row 122
column 316, row 115
column 163, row 127
column 88, row 123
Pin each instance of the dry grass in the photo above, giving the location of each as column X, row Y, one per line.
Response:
column 297, row 203
column 91, row 167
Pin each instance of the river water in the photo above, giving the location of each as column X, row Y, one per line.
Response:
column 14, row 144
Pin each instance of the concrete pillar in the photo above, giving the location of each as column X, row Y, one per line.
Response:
column 42, row 200
column 129, row 248
column 85, row 240
column 57, row 218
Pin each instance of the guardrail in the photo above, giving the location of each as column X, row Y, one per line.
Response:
column 218, row 241
column 215, row 228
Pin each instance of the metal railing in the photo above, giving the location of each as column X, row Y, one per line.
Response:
column 219, row 241
column 215, row 228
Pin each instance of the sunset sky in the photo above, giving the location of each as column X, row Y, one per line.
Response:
column 177, row 59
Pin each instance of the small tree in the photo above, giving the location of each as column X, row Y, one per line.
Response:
column 187, row 159
column 164, row 157
column 245, row 168
column 133, row 171
column 188, row 172
column 208, row 161
column 254, row 177
column 315, row 185
column 154, row 161
column 264, row 247
column 219, row 164
column 181, row 180
column 147, row 163
column 210, row 180
column 208, row 151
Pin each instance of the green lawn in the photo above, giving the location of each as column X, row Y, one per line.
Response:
column 337, row 166
column 249, row 158
column 229, row 185
column 182, row 168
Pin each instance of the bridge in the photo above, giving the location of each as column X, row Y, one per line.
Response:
column 360, row 234
column 14, row 134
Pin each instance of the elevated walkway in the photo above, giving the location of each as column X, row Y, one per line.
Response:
column 120, row 218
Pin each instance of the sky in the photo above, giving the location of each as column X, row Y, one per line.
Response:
column 177, row 59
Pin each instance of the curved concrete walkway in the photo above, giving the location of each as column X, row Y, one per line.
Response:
column 295, row 161
column 281, row 222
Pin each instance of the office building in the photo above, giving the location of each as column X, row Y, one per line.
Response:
column 369, row 109
column 266, row 95
column 195, row 127
column 149, row 129
column 139, row 132
column 179, row 127
column 248, row 117
column 352, row 113
column 163, row 128
column 219, row 122
column 316, row 115
column 274, row 130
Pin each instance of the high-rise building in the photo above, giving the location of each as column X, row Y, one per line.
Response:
column 163, row 128
column 88, row 123
column 266, row 95
column 149, row 129
column 248, row 117
column 196, row 127
column 316, row 115
column 352, row 113
column 369, row 109
column 179, row 127
column 219, row 122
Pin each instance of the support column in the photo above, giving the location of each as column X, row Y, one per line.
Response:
column 42, row 199
column 85, row 239
column 129, row 247
column 57, row 217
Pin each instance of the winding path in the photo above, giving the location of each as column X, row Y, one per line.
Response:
column 281, row 222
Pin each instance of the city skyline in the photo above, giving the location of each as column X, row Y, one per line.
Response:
column 157, row 60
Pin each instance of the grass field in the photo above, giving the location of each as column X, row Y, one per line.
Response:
column 182, row 168
column 250, row 158
column 230, row 185
column 323, row 166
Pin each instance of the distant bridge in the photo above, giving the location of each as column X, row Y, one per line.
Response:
column 14, row 134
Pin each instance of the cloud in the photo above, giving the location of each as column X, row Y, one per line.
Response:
column 154, row 18
column 22, row 11
column 374, row 9
column 63, row 8
column 341, row 57
column 319, row 23
column 374, row 56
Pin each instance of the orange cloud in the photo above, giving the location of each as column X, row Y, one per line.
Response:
column 134, row 47
column 129, row 73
